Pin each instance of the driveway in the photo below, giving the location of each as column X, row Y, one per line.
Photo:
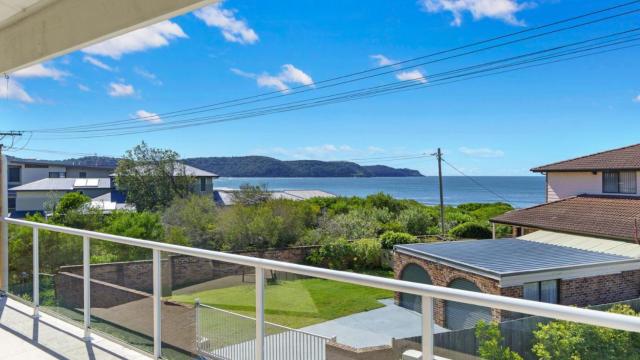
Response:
column 373, row 328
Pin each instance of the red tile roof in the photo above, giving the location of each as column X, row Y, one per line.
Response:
column 605, row 216
column 626, row 158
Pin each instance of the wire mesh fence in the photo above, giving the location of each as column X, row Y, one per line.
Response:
column 224, row 335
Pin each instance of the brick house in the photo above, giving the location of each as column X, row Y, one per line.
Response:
column 580, row 248
column 514, row 267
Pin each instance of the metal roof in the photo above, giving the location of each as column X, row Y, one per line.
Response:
column 509, row 256
column 614, row 247
column 187, row 170
column 62, row 184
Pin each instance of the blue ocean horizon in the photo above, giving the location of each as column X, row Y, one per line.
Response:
column 519, row 191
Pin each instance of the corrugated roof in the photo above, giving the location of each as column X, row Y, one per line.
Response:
column 592, row 215
column 224, row 196
column 509, row 256
column 61, row 184
column 625, row 158
column 614, row 247
column 189, row 171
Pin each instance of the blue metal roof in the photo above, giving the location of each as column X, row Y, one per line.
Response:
column 509, row 256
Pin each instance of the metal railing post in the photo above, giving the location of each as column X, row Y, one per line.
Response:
column 4, row 226
column 197, row 310
column 36, row 273
column 86, row 282
column 157, row 304
column 259, row 313
column 427, row 328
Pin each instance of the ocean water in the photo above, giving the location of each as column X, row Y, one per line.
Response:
column 519, row 191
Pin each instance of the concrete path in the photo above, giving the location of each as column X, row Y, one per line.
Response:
column 25, row 338
column 373, row 328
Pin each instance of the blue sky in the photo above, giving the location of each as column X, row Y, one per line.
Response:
column 500, row 125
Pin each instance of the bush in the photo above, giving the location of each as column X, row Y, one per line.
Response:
column 334, row 255
column 470, row 230
column 563, row 340
column 417, row 220
column 490, row 340
column 391, row 238
column 366, row 254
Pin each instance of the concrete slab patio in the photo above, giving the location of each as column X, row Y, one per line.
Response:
column 374, row 327
column 23, row 337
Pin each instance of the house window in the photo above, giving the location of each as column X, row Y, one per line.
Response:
column 56, row 174
column 203, row 184
column 82, row 174
column 619, row 182
column 14, row 174
column 11, row 204
column 543, row 291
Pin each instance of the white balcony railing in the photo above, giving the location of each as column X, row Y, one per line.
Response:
column 427, row 292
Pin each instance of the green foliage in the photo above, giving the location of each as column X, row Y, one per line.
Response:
column 490, row 340
column 152, row 177
column 366, row 254
column 417, row 220
column 251, row 194
column 192, row 220
column 563, row 340
column 470, row 230
column 334, row 255
column 72, row 201
column 391, row 238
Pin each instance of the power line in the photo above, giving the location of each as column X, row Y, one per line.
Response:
column 477, row 182
column 313, row 86
column 372, row 91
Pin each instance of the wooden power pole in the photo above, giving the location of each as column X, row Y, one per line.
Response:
column 4, row 211
column 439, row 156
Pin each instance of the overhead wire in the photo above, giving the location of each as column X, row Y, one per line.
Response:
column 313, row 86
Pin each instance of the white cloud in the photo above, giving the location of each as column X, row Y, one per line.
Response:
column 151, row 37
column 322, row 152
column 40, row 71
column 416, row 75
column 287, row 76
column 147, row 116
column 637, row 99
column 97, row 63
column 481, row 152
column 382, row 60
column 83, row 87
column 504, row 10
column 14, row 91
column 120, row 89
column 153, row 78
column 232, row 29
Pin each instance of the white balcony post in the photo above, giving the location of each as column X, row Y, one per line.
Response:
column 259, row 313
column 157, row 305
column 86, row 281
column 4, row 227
column 427, row 328
column 36, row 273
column 493, row 230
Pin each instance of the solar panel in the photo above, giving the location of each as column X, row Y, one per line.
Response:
column 80, row 183
column 92, row 182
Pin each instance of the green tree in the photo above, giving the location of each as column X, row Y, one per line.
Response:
column 152, row 177
column 196, row 217
column 470, row 230
column 251, row 194
column 490, row 340
column 73, row 210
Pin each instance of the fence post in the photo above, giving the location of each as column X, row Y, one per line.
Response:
column 86, row 285
column 4, row 227
column 157, row 309
column 427, row 328
column 36, row 273
column 198, row 340
column 259, row 313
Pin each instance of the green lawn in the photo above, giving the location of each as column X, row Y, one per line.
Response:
column 296, row 303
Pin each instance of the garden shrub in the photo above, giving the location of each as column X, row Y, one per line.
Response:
column 490, row 340
column 366, row 254
column 417, row 220
column 334, row 255
column 563, row 340
column 391, row 238
column 470, row 230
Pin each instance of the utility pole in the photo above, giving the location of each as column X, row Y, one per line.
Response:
column 439, row 157
column 4, row 211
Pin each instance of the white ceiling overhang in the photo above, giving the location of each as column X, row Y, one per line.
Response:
column 33, row 31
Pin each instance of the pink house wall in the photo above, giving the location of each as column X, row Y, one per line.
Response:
column 564, row 184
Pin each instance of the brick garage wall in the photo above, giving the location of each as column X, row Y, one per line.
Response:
column 601, row 289
column 443, row 275
column 136, row 275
